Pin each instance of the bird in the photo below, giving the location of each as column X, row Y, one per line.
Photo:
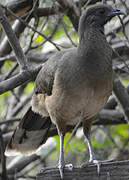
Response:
column 73, row 85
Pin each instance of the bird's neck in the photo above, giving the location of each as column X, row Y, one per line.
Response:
column 90, row 39
column 94, row 50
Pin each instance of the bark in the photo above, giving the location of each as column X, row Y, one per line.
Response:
column 108, row 171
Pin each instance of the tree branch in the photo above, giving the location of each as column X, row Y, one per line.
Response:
column 110, row 170
column 122, row 95
column 13, row 41
column 17, row 80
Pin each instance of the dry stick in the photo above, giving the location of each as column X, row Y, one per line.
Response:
column 116, row 29
column 12, row 120
column 72, row 12
column 19, row 79
column 11, row 71
column 36, row 22
column 122, row 95
column 13, row 41
column 22, row 164
column 125, row 6
column 5, row 47
column 3, row 158
column 123, row 28
column 50, row 36
column 32, row 28
column 73, row 132
column 120, row 58
column 67, row 34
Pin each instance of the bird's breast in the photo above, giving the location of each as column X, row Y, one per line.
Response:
column 83, row 101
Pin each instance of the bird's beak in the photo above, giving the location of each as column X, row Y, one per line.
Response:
column 115, row 12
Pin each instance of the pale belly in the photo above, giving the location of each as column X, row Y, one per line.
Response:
column 73, row 107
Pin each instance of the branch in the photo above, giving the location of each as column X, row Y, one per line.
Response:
column 72, row 11
column 34, row 30
column 13, row 41
column 111, row 170
column 5, row 47
column 22, row 164
column 3, row 158
column 17, row 80
column 19, row 7
column 122, row 95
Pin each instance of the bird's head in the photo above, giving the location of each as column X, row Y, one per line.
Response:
column 98, row 16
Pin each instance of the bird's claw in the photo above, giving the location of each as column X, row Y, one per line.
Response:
column 93, row 162
column 61, row 169
column 69, row 167
column 98, row 164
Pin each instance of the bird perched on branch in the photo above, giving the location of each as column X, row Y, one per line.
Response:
column 72, row 85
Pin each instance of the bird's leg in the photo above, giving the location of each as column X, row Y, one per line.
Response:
column 86, row 129
column 61, row 157
column 92, row 155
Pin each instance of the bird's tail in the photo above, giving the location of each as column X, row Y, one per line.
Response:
column 30, row 134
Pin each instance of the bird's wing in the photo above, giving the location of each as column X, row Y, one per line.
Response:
column 29, row 135
column 44, row 81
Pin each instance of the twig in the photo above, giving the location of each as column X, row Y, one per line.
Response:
column 66, row 32
column 19, row 79
column 12, row 120
column 11, row 71
column 3, row 158
column 122, row 95
column 13, row 41
column 27, row 25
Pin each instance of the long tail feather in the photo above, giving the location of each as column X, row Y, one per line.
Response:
column 30, row 134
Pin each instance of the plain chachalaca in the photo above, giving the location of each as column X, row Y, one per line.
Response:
column 72, row 85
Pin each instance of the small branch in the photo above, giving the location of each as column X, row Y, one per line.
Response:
column 19, row 79
column 13, row 41
column 11, row 71
column 67, row 34
column 33, row 29
column 122, row 95
column 3, row 158
column 8, row 121
column 72, row 11
column 22, row 164
column 18, row 7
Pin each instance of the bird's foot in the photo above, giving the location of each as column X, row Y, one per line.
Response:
column 93, row 162
column 97, row 163
column 61, row 167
